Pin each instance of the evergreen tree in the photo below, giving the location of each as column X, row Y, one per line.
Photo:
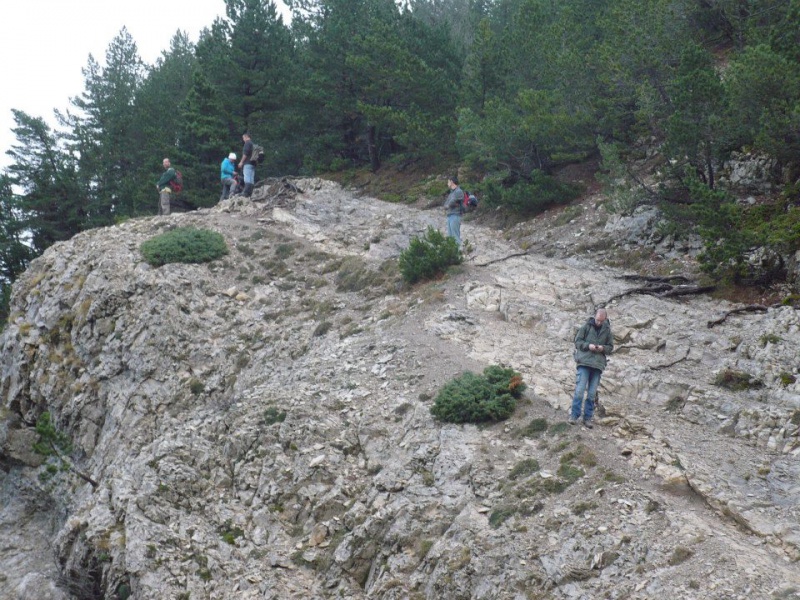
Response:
column 52, row 204
column 763, row 92
column 204, row 136
column 381, row 81
column 695, row 125
column 158, row 121
column 486, row 70
column 249, row 58
column 14, row 252
column 103, row 131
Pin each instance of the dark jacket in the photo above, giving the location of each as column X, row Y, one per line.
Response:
column 455, row 202
column 590, row 334
column 166, row 177
column 247, row 153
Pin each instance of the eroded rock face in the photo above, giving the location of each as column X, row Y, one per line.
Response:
column 259, row 426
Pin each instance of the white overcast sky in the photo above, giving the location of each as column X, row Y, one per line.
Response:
column 46, row 43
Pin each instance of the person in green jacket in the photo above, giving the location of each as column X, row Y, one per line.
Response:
column 593, row 343
column 164, row 190
column 454, row 207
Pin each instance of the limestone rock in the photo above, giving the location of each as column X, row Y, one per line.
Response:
column 260, row 427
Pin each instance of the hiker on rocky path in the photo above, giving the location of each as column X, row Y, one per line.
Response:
column 164, row 189
column 592, row 343
column 248, row 165
column 228, row 176
column 453, row 207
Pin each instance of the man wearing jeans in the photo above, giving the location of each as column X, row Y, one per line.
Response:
column 592, row 343
column 247, row 165
column 454, row 206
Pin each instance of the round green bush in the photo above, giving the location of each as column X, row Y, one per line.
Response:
column 428, row 256
column 472, row 398
column 184, row 245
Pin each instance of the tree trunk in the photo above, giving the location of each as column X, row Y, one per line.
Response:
column 372, row 147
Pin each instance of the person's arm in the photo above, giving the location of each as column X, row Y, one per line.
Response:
column 608, row 342
column 580, row 339
column 166, row 177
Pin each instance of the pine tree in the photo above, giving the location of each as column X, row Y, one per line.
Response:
column 204, row 137
column 14, row 252
column 159, row 120
column 53, row 198
column 103, row 130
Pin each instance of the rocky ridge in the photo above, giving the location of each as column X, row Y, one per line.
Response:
column 260, row 427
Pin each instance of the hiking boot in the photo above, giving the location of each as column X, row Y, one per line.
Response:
column 573, row 421
column 588, row 424
column 248, row 190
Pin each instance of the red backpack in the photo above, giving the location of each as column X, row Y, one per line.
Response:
column 177, row 184
column 470, row 201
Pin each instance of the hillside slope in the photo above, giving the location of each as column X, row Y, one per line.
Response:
column 260, row 426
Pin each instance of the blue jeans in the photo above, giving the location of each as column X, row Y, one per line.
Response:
column 587, row 377
column 454, row 228
column 249, row 173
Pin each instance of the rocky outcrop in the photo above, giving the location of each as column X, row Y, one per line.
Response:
column 259, row 426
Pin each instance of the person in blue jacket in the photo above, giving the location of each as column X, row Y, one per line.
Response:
column 228, row 175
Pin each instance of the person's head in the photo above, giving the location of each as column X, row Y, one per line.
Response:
column 600, row 316
column 453, row 182
column 165, row 163
column 232, row 156
column 246, row 136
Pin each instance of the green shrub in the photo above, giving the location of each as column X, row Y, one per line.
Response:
column 737, row 381
column 524, row 468
column 428, row 256
column 274, row 415
column 569, row 473
column 768, row 338
column 535, row 428
column 528, row 197
column 184, row 245
column 229, row 533
column 472, row 398
column 196, row 386
column 501, row 515
column 787, row 378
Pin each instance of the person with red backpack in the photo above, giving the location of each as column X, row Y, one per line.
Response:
column 167, row 184
column 454, row 208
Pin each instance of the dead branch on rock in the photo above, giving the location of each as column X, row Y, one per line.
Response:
column 652, row 290
column 736, row 311
column 647, row 279
column 688, row 290
column 497, row 260
column 278, row 192
column 666, row 366
column 665, row 290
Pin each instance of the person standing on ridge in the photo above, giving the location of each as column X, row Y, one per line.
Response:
column 454, row 206
column 164, row 189
column 592, row 343
column 228, row 176
column 247, row 165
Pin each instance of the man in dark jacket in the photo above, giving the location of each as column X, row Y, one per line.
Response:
column 592, row 343
column 248, row 165
column 164, row 189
